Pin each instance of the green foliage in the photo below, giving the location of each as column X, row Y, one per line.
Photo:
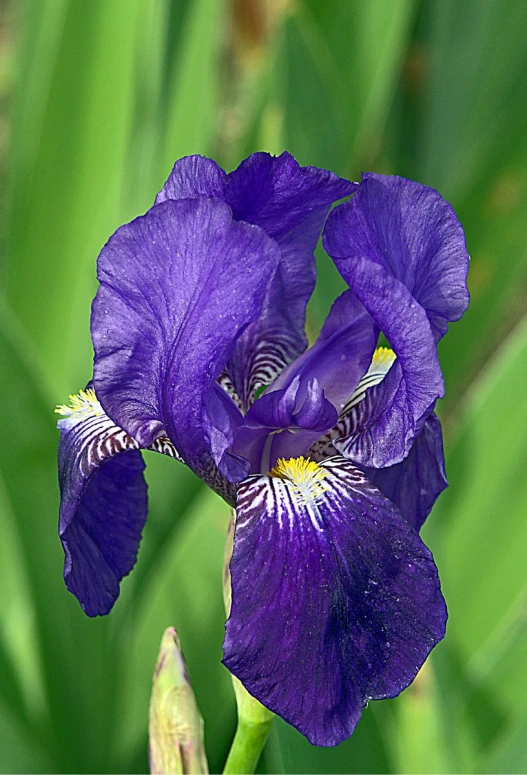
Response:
column 108, row 95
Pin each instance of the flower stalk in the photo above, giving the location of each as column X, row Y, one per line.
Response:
column 252, row 731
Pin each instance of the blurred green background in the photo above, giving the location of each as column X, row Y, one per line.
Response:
column 97, row 100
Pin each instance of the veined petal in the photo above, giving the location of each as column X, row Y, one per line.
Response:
column 103, row 501
column 415, row 484
column 375, row 428
column 290, row 203
column 178, row 285
column 349, row 436
column 401, row 249
column 335, row 598
column 381, row 363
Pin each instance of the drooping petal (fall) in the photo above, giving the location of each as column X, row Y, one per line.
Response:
column 103, row 501
column 335, row 598
column 415, row 484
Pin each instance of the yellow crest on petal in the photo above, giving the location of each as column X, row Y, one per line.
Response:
column 383, row 357
column 81, row 404
column 305, row 476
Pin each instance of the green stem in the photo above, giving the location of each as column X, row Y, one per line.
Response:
column 247, row 746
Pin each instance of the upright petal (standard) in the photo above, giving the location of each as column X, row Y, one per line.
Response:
column 290, row 203
column 178, row 286
column 401, row 249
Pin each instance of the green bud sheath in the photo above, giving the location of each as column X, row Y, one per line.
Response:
column 176, row 726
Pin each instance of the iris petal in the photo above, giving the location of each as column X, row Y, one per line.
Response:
column 401, row 249
column 283, row 422
column 178, row 285
column 380, row 430
column 103, row 501
column 335, row 599
column 290, row 203
column 221, row 418
column 194, row 176
column 340, row 356
column 414, row 234
column 415, row 484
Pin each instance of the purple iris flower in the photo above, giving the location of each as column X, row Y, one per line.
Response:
column 331, row 455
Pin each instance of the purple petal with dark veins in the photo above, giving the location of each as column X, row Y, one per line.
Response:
column 388, row 419
column 103, row 503
column 335, row 601
column 380, row 429
column 290, row 203
column 178, row 285
column 415, row 484
column 401, row 249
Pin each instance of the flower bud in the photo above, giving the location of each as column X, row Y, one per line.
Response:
column 176, row 726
